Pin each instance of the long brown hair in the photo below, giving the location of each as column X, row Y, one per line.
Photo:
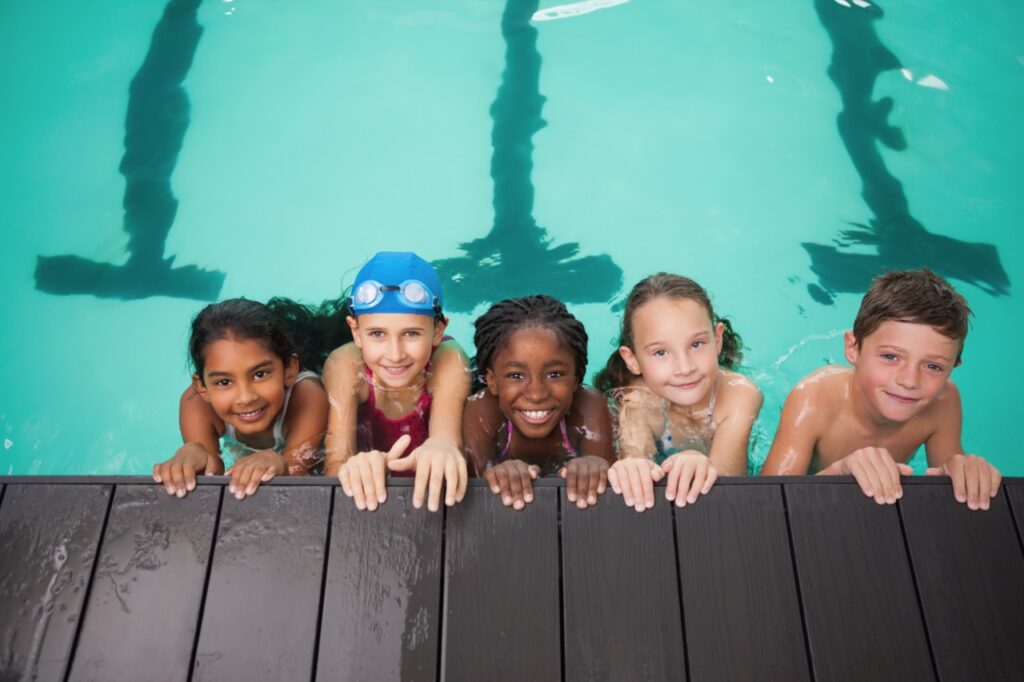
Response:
column 663, row 284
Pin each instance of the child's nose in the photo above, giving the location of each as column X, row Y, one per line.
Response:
column 246, row 394
column 394, row 350
column 536, row 390
column 908, row 376
column 684, row 364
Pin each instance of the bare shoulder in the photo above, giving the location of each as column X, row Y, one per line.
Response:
column 946, row 405
column 483, row 408
column 588, row 400
column 738, row 392
column 309, row 389
column 343, row 370
column 826, row 385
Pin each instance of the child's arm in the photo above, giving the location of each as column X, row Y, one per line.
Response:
column 304, row 423
column 739, row 405
column 363, row 475
column 634, row 474
column 586, row 476
column 795, row 436
column 343, row 382
column 439, row 460
column 805, row 417
column 200, row 453
column 511, row 479
column 975, row 481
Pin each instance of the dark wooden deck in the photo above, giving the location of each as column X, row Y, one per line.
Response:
column 764, row 579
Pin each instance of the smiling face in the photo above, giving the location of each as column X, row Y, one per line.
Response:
column 245, row 383
column 675, row 349
column 396, row 346
column 534, row 379
column 900, row 368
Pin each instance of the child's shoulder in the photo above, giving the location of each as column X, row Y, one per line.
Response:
column 823, row 393
column 589, row 398
column 824, row 382
column 738, row 393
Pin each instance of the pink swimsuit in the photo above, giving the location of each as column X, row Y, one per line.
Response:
column 376, row 431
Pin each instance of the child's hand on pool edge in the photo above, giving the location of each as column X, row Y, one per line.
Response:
column 634, row 479
column 437, row 461
column 585, row 479
column 178, row 474
column 512, row 480
column 975, row 481
column 363, row 476
column 690, row 475
column 251, row 470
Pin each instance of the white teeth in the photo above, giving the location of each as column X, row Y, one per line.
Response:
column 536, row 414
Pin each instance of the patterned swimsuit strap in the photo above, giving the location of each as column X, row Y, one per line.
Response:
column 569, row 449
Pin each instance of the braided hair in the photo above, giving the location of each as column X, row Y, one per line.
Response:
column 495, row 327
column 616, row 374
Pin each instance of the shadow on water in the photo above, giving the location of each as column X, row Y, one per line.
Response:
column 516, row 258
column 158, row 116
column 902, row 242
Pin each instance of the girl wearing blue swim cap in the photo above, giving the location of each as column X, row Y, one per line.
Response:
column 398, row 387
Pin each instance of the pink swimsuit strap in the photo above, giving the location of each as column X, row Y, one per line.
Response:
column 570, row 451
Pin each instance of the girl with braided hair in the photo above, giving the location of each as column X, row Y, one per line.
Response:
column 680, row 408
column 535, row 417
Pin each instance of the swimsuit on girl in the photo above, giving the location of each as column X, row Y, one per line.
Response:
column 235, row 449
column 664, row 445
column 570, row 451
column 376, row 431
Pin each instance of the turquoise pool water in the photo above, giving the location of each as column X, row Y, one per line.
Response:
column 572, row 153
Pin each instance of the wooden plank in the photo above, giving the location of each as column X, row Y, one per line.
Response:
column 621, row 593
column 501, row 591
column 260, row 617
column 381, row 610
column 48, row 540
column 743, row 618
column 148, row 587
column 970, row 575
column 1014, row 492
column 860, row 608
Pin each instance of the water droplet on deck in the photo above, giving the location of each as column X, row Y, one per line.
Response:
column 8, row 444
column 907, row 73
column 769, row 79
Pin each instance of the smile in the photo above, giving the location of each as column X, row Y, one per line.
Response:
column 899, row 399
column 396, row 371
column 688, row 386
column 535, row 416
column 249, row 417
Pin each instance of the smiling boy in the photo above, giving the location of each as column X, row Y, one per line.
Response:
column 868, row 420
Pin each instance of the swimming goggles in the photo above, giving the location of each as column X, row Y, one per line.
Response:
column 411, row 293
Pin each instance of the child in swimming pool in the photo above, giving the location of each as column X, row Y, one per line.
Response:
column 535, row 416
column 867, row 421
column 398, row 387
column 681, row 409
column 248, row 391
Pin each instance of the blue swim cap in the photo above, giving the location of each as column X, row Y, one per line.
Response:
column 397, row 282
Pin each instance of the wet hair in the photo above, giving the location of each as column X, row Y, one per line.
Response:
column 664, row 285
column 495, row 327
column 916, row 296
column 288, row 329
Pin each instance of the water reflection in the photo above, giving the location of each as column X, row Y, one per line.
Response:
column 516, row 257
column 158, row 116
column 901, row 241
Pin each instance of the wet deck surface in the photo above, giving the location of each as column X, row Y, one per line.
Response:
column 769, row 579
